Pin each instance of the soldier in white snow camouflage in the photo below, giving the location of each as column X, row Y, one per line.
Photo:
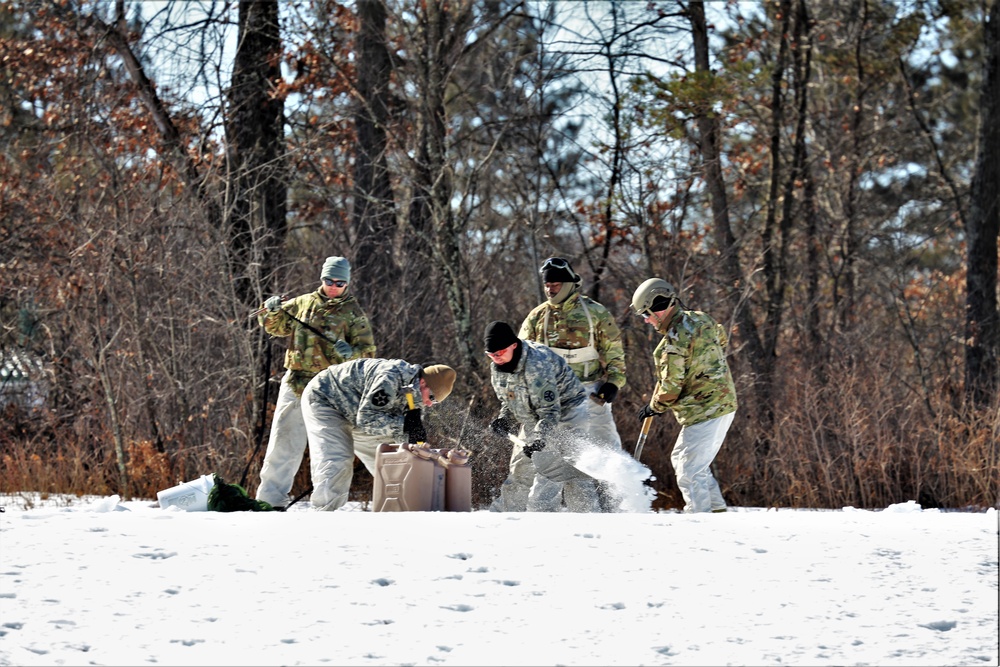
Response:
column 543, row 401
column 324, row 327
column 585, row 334
column 695, row 383
column 352, row 408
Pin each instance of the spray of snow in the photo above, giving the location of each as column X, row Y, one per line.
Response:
column 622, row 473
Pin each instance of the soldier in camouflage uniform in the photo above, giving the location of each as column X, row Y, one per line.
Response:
column 584, row 333
column 542, row 399
column 324, row 327
column 695, row 383
column 352, row 408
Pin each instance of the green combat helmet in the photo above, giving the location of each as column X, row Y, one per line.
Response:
column 646, row 294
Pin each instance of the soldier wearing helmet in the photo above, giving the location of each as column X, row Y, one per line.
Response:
column 695, row 383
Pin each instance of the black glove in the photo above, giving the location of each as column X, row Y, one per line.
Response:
column 607, row 392
column 536, row 446
column 413, row 427
column 503, row 426
column 647, row 412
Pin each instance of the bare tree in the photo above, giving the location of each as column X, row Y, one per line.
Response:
column 447, row 36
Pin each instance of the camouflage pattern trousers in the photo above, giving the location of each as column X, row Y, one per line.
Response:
column 333, row 443
column 550, row 496
column 526, row 490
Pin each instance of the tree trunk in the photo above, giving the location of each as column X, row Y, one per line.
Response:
column 617, row 157
column 257, row 196
column 374, row 217
column 774, row 242
column 429, row 180
column 851, row 236
column 254, row 130
column 443, row 32
column 802, row 55
column 982, row 326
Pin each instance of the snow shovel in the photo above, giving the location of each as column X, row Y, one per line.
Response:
column 304, row 324
column 646, row 423
column 567, row 472
column 262, row 309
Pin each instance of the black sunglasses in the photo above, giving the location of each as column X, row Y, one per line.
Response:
column 335, row 283
column 649, row 311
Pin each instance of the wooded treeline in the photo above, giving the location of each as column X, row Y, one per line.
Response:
column 821, row 176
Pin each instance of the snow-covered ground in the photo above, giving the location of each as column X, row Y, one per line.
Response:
column 96, row 581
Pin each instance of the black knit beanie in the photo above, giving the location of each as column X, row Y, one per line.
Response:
column 498, row 336
column 551, row 274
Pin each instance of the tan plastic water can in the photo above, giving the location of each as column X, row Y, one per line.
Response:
column 421, row 480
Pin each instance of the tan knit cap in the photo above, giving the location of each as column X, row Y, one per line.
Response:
column 440, row 379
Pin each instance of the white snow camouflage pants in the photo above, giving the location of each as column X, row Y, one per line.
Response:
column 692, row 456
column 333, row 443
column 285, row 447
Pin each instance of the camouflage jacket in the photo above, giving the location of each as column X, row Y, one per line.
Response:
column 308, row 353
column 371, row 393
column 694, row 380
column 568, row 328
column 540, row 392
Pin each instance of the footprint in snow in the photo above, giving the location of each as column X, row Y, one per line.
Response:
column 155, row 555
column 941, row 626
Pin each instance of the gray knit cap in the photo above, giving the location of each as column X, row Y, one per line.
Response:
column 336, row 268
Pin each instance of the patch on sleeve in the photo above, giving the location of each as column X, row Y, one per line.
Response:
column 380, row 398
column 549, row 395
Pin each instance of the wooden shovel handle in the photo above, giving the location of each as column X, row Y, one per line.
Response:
column 646, row 423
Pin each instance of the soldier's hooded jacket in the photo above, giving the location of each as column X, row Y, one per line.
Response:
column 583, row 332
column 308, row 353
column 370, row 393
column 694, row 380
column 540, row 392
